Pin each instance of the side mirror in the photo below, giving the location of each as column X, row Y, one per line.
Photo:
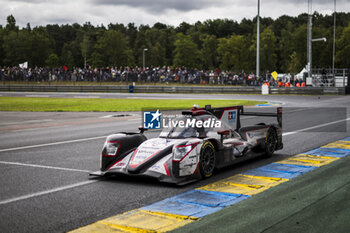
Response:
column 142, row 129
column 224, row 132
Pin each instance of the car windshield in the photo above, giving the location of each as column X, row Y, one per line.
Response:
column 188, row 126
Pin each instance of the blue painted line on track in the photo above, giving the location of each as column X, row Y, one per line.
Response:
column 277, row 170
column 196, row 203
column 346, row 139
column 266, row 173
column 264, row 105
column 290, row 168
column 330, row 152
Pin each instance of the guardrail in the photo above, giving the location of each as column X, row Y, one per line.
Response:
column 176, row 89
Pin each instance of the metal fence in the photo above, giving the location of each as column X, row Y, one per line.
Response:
column 175, row 89
column 326, row 78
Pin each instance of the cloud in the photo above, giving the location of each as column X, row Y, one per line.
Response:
column 170, row 12
column 159, row 5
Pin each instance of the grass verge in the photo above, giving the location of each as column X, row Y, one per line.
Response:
column 29, row 104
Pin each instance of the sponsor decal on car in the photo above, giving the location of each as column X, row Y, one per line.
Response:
column 232, row 116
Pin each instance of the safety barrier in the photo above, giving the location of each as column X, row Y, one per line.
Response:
column 176, row 89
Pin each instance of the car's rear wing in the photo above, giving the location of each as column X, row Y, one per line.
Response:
column 278, row 114
column 231, row 115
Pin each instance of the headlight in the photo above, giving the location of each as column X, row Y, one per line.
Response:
column 111, row 148
column 180, row 152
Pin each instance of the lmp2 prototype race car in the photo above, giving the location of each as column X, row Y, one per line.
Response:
column 191, row 146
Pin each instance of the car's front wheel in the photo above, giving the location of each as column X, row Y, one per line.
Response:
column 207, row 160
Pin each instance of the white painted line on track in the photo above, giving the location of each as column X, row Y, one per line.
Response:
column 160, row 98
column 23, row 122
column 133, row 120
column 24, row 197
column 117, row 115
column 42, row 96
column 298, row 110
column 52, row 144
column 87, row 97
column 314, row 127
column 108, row 116
column 42, row 166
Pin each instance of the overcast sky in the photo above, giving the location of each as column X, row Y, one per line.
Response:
column 171, row 12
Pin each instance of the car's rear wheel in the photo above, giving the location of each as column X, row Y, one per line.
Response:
column 207, row 160
column 270, row 142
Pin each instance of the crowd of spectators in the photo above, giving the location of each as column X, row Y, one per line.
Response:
column 132, row 74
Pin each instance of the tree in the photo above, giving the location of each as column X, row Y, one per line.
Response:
column 157, row 55
column 28, row 27
column 285, row 47
column 294, row 63
column 141, row 43
column 17, row 47
column 183, row 28
column 2, row 53
column 41, row 48
column 209, row 54
column 268, row 56
column 246, row 27
column 131, row 34
column 85, row 47
column 343, row 48
column 11, row 23
column 233, row 53
column 221, row 43
column 52, row 61
column 219, row 27
column 322, row 51
column 67, row 57
column 112, row 49
column 186, row 52
column 156, row 43
column 299, row 38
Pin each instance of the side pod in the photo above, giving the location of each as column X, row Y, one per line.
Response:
column 117, row 146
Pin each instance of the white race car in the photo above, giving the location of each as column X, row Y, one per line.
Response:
column 213, row 138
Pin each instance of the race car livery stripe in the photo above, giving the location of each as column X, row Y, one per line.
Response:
column 114, row 164
column 166, row 169
column 182, row 209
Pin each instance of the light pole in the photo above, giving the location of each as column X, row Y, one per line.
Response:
column 324, row 39
column 334, row 39
column 258, row 42
column 143, row 57
column 309, row 40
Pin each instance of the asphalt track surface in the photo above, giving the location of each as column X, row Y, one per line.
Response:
column 45, row 158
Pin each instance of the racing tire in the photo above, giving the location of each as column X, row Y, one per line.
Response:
column 270, row 142
column 207, row 160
